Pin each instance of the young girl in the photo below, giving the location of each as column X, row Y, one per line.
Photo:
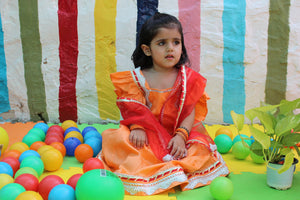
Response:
column 161, row 143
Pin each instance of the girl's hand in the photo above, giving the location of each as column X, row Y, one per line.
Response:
column 179, row 150
column 138, row 138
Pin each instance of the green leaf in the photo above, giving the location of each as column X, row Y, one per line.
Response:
column 265, row 118
column 261, row 137
column 288, row 161
column 285, row 151
column 238, row 120
column 287, row 124
column 287, row 107
column 257, row 148
column 291, row 139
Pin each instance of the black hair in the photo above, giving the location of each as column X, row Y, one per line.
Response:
column 148, row 31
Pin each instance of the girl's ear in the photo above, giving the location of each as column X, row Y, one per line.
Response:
column 146, row 49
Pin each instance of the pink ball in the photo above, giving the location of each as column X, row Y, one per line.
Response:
column 13, row 162
column 28, row 181
column 72, row 181
column 47, row 184
column 92, row 163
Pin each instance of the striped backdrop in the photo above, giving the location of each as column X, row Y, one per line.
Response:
column 56, row 55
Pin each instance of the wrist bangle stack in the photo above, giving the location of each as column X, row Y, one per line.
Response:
column 136, row 126
column 183, row 131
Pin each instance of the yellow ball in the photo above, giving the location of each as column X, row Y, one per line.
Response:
column 3, row 139
column 5, row 179
column 19, row 146
column 52, row 159
column 29, row 195
column 67, row 124
column 224, row 130
column 44, row 148
column 75, row 134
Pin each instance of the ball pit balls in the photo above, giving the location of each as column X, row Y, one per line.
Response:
column 87, row 129
column 28, row 153
column 6, row 169
column 221, row 188
column 36, row 145
column 55, row 134
column 240, row 151
column 44, row 148
column 35, row 163
column 74, row 134
column 256, row 158
column 67, row 124
column 60, row 147
column 12, row 153
column 52, row 159
column 92, row 163
column 92, row 134
column 72, row 181
column 39, row 132
column 29, row 195
column 224, row 130
column 71, row 129
column 83, row 152
column 223, row 142
column 29, row 139
column 19, row 146
column 42, row 126
column 62, row 192
column 95, row 143
column 11, row 191
column 5, row 179
column 3, row 139
column 51, row 139
column 99, row 184
column 26, row 170
column 28, row 181
column 245, row 137
column 13, row 162
column 71, row 144
column 47, row 183
column 55, row 128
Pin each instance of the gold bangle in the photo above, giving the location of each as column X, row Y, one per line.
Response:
column 136, row 126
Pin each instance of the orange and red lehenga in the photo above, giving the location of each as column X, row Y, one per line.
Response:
column 152, row 170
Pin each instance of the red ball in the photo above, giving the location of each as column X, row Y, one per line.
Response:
column 55, row 134
column 28, row 181
column 72, row 181
column 13, row 162
column 51, row 139
column 56, row 128
column 92, row 163
column 48, row 183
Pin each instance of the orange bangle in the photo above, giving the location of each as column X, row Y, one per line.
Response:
column 184, row 131
column 136, row 126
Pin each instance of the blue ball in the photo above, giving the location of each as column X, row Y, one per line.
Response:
column 6, row 169
column 62, row 192
column 28, row 153
column 238, row 138
column 87, row 129
column 95, row 143
column 92, row 134
column 71, row 144
column 42, row 126
column 68, row 130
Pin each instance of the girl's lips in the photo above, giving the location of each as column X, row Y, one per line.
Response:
column 169, row 56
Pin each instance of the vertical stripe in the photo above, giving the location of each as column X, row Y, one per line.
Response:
column 4, row 100
column 212, row 56
column 48, row 25
column 146, row 8
column 105, row 38
column 86, row 91
column 169, row 6
column 255, row 59
column 233, row 58
column 293, row 73
column 278, row 42
column 32, row 55
column 68, row 53
column 189, row 15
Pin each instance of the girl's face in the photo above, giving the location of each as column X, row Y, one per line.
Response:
column 165, row 48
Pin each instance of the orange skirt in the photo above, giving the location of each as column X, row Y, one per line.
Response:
column 143, row 174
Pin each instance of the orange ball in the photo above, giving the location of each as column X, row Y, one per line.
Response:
column 60, row 147
column 67, row 124
column 36, row 145
column 52, row 159
column 12, row 153
column 83, row 152
column 224, row 130
column 19, row 146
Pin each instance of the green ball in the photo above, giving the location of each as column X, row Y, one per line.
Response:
column 35, row 163
column 256, row 158
column 223, row 142
column 39, row 132
column 29, row 139
column 245, row 137
column 26, row 170
column 11, row 191
column 240, row 151
column 221, row 188
column 99, row 184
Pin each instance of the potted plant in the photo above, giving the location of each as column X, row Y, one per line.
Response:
column 277, row 142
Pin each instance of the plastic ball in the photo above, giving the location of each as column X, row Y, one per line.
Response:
column 39, row 132
column 92, row 134
column 72, row 181
column 99, row 184
column 42, row 126
column 240, row 151
column 87, row 129
column 35, row 163
column 29, row 139
column 71, row 144
column 26, row 170
column 67, row 124
column 62, row 192
column 4, row 139
column 19, row 146
column 52, row 159
column 47, row 183
column 36, row 145
column 92, row 163
column 83, row 152
column 29, row 195
column 12, row 153
column 44, row 148
column 224, row 130
column 28, row 153
column 50, row 139
column 74, row 134
column 5, row 179
column 245, row 137
column 11, row 191
column 60, row 147
column 6, row 169
column 28, row 181
column 256, row 158
column 13, row 162
column 221, row 188
column 95, row 143
column 223, row 142
column 55, row 134
column 71, row 129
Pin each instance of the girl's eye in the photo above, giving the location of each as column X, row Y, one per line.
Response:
column 161, row 43
column 177, row 42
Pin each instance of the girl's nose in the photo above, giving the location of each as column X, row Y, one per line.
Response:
column 170, row 47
